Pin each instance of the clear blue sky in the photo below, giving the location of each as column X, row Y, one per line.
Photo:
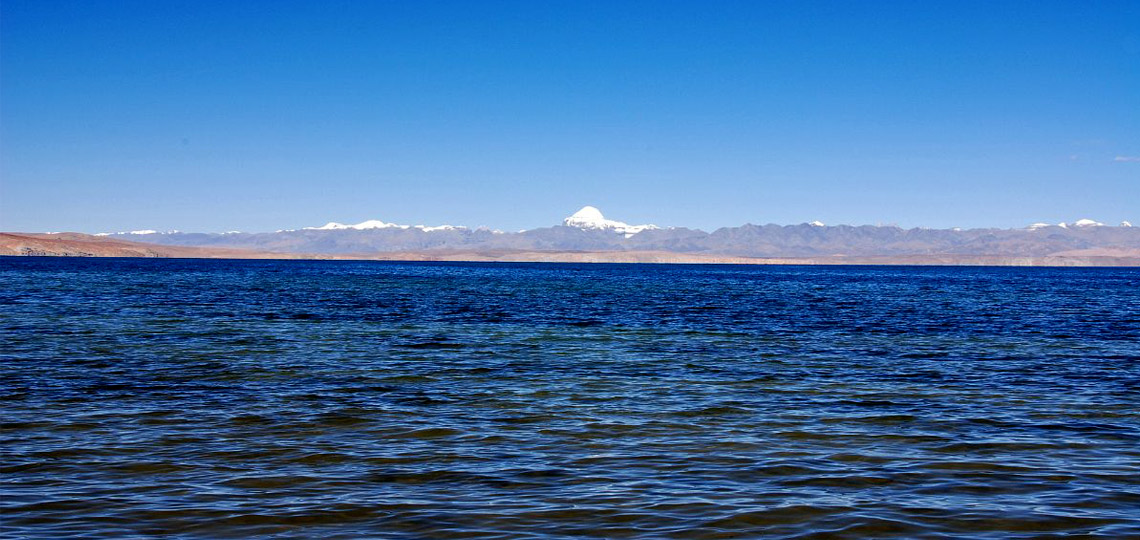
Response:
column 215, row 116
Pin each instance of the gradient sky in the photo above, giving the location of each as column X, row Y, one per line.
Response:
column 255, row 116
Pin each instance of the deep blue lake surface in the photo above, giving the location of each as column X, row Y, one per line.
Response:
column 296, row 399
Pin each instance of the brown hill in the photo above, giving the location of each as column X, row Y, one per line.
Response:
column 85, row 245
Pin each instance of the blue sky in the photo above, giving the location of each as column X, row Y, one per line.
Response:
column 215, row 116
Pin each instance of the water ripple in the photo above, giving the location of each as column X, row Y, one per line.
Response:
column 292, row 399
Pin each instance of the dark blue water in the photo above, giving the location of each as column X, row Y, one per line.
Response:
column 207, row 399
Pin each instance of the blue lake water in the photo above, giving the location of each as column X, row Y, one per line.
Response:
column 334, row 399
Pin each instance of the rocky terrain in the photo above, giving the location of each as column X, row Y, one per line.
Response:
column 85, row 245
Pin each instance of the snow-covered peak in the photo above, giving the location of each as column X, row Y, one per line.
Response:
column 1125, row 224
column 141, row 232
column 816, row 223
column 425, row 228
column 591, row 218
column 370, row 224
column 377, row 224
column 1080, row 223
column 587, row 216
column 330, row 226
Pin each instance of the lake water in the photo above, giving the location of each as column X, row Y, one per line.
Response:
column 295, row 399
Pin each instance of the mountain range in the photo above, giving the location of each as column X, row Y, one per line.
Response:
column 588, row 230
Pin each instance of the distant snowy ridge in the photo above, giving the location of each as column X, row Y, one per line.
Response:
column 1080, row 223
column 377, row 224
column 137, row 233
column 440, row 228
column 369, row 224
column 588, row 230
column 587, row 218
column 591, row 218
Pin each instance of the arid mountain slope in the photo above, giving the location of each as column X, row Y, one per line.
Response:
column 85, row 245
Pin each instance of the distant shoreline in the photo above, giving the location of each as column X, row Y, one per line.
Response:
column 82, row 245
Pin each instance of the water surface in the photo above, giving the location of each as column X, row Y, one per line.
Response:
column 293, row 399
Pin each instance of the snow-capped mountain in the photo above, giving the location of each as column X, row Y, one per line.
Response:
column 377, row 224
column 364, row 225
column 591, row 218
column 1080, row 223
column 142, row 232
column 589, row 230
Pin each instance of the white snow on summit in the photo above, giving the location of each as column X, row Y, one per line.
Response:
column 377, row 224
column 1080, row 223
column 591, row 218
column 370, row 224
column 817, row 223
column 425, row 228
column 1125, row 224
column 141, row 232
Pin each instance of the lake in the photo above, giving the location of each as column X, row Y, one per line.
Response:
column 349, row 399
